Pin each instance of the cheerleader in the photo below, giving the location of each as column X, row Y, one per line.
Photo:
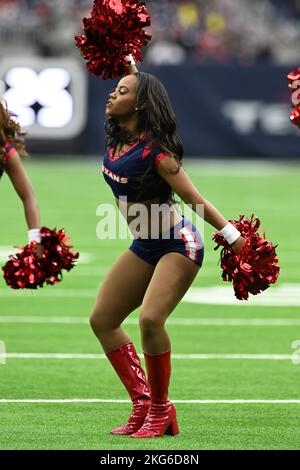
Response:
column 142, row 164
column 11, row 147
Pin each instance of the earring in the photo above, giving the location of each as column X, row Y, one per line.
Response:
column 136, row 108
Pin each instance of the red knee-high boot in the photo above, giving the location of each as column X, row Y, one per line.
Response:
column 161, row 417
column 127, row 364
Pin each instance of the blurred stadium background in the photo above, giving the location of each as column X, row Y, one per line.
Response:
column 224, row 64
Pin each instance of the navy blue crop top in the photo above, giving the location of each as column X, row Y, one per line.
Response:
column 121, row 172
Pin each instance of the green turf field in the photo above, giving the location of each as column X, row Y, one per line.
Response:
column 239, row 351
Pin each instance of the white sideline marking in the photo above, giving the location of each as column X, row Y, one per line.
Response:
column 55, row 291
column 175, row 322
column 5, row 251
column 284, row 295
column 210, row 270
column 263, row 357
column 84, row 258
column 200, row 402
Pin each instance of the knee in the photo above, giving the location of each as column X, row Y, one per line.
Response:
column 94, row 323
column 99, row 323
column 149, row 324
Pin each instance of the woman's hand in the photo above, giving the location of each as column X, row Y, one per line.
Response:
column 131, row 69
column 38, row 250
column 238, row 245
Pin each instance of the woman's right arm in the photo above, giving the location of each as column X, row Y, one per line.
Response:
column 21, row 183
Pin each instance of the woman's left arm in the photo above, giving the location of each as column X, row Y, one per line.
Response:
column 132, row 68
column 16, row 172
column 183, row 186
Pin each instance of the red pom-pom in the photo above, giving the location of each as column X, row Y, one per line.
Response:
column 255, row 267
column 295, row 116
column 294, row 83
column 26, row 270
column 114, row 30
column 293, row 76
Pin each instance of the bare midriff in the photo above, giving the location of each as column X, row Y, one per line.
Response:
column 153, row 217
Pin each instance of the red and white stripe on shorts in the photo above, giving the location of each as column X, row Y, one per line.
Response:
column 190, row 241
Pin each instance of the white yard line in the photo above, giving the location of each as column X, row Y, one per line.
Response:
column 6, row 250
column 239, row 322
column 200, row 402
column 86, row 356
column 283, row 295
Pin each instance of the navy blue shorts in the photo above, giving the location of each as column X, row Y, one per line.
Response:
column 183, row 238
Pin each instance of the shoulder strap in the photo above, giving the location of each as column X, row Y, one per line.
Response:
column 5, row 153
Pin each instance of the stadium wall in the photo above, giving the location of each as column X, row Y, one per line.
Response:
column 222, row 111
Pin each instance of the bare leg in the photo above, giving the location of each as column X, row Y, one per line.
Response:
column 172, row 277
column 120, row 294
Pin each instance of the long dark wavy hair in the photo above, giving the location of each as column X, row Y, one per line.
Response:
column 10, row 131
column 157, row 119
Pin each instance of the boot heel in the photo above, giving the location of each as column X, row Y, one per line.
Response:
column 172, row 429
